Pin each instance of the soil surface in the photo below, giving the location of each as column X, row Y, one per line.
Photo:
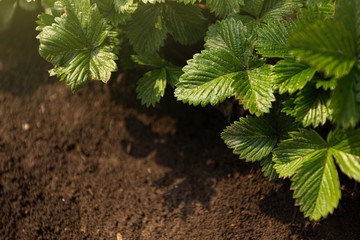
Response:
column 98, row 165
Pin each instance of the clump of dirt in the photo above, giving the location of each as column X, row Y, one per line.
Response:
column 98, row 165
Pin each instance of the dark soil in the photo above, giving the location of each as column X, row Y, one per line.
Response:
column 98, row 165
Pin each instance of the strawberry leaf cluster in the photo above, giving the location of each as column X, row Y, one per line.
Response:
column 293, row 65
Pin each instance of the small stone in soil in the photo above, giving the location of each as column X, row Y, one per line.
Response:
column 119, row 236
column 26, row 126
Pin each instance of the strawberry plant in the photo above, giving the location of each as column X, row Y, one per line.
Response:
column 293, row 65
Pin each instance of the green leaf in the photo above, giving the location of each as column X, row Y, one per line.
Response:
column 254, row 89
column 326, row 84
column 251, row 23
column 253, row 7
column 173, row 74
column 79, row 48
column 44, row 20
column 226, row 65
column 326, row 46
column 310, row 106
column 123, row 5
column 270, row 10
column 148, row 59
column 273, row 37
column 310, row 160
column 291, row 153
column 348, row 12
column 267, row 166
column 152, row 22
column 276, row 10
column 291, row 76
column 318, row 2
column 252, row 138
column 153, row 1
column 185, row 23
column 187, row 1
column 312, row 14
column 346, row 151
column 315, row 183
column 345, row 101
column 230, row 35
column 147, row 31
column 224, row 7
column 151, row 87
column 317, row 186
column 116, row 12
column 208, row 77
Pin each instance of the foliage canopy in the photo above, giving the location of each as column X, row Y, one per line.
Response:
column 293, row 65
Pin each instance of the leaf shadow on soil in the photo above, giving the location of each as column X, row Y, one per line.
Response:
column 186, row 140
column 200, row 160
column 280, row 205
column 194, row 168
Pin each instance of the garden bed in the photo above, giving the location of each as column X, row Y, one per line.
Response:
column 98, row 165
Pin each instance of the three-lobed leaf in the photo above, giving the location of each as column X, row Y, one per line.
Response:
column 227, row 68
column 309, row 160
column 77, row 44
column 254, row 138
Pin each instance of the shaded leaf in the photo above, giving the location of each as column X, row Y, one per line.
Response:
column 273, row 37
column 151, row 87
column 271, row 10
column 252, row 138
column 267, row 166
column 147, row 31
column 224, row 7
column 345, row 101
column 348, row 12
column 291, row 76
column 185, row 23
column 346, row 151
column 326, row 46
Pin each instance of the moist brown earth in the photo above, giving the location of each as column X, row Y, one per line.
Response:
column 98, row 165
